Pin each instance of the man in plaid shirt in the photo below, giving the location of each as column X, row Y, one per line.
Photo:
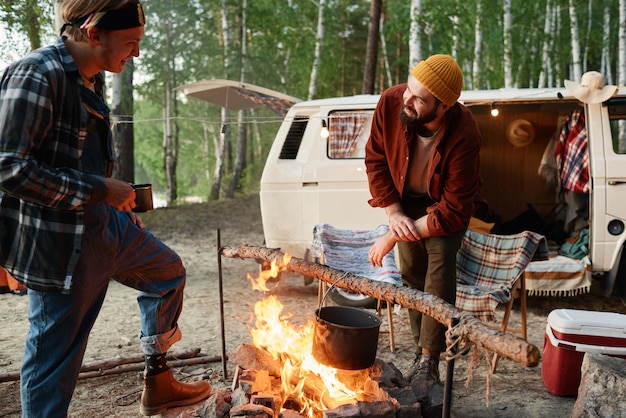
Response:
column 67, row 227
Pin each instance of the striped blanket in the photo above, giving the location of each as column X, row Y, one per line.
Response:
column 558, row 276
column 347, row 249
column 488, row 266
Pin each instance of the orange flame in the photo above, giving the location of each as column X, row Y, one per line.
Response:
column 260, row 283
column 292, row 345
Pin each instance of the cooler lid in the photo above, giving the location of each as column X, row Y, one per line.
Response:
column 573, row 321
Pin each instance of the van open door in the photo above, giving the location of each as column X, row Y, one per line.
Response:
column 607, row 153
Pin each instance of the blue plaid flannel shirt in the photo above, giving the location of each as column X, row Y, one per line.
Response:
column 42, row 188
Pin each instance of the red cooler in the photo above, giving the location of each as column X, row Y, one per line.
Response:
column 570, row 334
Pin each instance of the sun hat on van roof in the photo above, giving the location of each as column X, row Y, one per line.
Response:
column 520, row 132
column 591, row 88
column 441, row 76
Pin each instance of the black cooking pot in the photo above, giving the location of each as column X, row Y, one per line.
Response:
column 345, row 337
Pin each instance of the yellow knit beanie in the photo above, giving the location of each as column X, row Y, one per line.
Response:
column 442, row 76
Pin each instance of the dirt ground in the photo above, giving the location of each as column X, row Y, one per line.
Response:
column 515, row 391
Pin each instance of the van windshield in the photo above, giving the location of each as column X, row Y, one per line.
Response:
column 348, row 133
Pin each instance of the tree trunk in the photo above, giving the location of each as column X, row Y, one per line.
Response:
column 371, row 52
column 586, row 46
column 469, row 328
column 121, row 121
column 58, row 21
column 221, row 143
column 575, row 38
column 621, row 70
column 31, row 23
column 317, row 59
column 605, row 66
column 478, row 46
column 220, row 153
column 621, row 49
column 455, row 39
column 240, row 156
column 170, row 131
column 415, row 45
column 383, row 46
column 168, row 146
column 508, row 45
column 242, row 148
column 545, row 50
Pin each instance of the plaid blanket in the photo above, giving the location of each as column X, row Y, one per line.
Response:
column 488, row 266
column 347, row 249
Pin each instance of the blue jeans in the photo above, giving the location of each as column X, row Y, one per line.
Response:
column 113, row 248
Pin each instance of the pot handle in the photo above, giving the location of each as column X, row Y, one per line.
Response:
column 344, row 275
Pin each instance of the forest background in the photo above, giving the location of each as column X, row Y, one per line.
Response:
column 191, row 150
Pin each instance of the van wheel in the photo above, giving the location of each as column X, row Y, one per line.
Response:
column 356, row 300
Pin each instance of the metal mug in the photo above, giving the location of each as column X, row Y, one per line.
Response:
column 143, row 198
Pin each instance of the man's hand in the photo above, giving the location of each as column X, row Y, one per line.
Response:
column 403, row 228
column 134, row 218
column 120, row 195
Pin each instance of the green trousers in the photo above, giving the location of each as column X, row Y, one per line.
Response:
column 429, row 265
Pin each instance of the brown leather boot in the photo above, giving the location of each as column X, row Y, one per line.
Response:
column 163, row 391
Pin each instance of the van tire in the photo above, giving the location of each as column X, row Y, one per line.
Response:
column 356, row 300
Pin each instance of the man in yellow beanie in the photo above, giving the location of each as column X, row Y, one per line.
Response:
column 423, row 168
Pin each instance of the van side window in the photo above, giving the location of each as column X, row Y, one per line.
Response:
column 349, row 131
column 290, row 148
column 617, row 116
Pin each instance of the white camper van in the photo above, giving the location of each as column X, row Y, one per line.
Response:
column 310, row 179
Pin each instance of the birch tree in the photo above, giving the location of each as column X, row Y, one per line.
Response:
column 221, row 141
column 478, row 46
column 605, row 60
column 317, row 57
column 455, row 37
column 241, row 148
column 621, row 71
column 58, row 21
column 545, row 73
column 383, row 47
column 508, row 45
column 585, row 53
column 415, row 46
column 170, row 131
column 576, row 70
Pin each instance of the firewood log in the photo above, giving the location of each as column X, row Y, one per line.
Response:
column 469, row 328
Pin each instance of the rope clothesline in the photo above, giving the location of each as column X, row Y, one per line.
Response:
column 128, row 119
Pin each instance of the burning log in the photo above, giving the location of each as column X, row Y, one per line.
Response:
column 469, row 328
column 261, row 380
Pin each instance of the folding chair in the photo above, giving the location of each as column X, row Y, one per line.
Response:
column 490, row 271
column 347, row 250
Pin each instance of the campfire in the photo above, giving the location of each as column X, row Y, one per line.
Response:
column 294, row 385
column 278, row 371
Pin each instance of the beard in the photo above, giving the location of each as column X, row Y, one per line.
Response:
column 419, row 120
